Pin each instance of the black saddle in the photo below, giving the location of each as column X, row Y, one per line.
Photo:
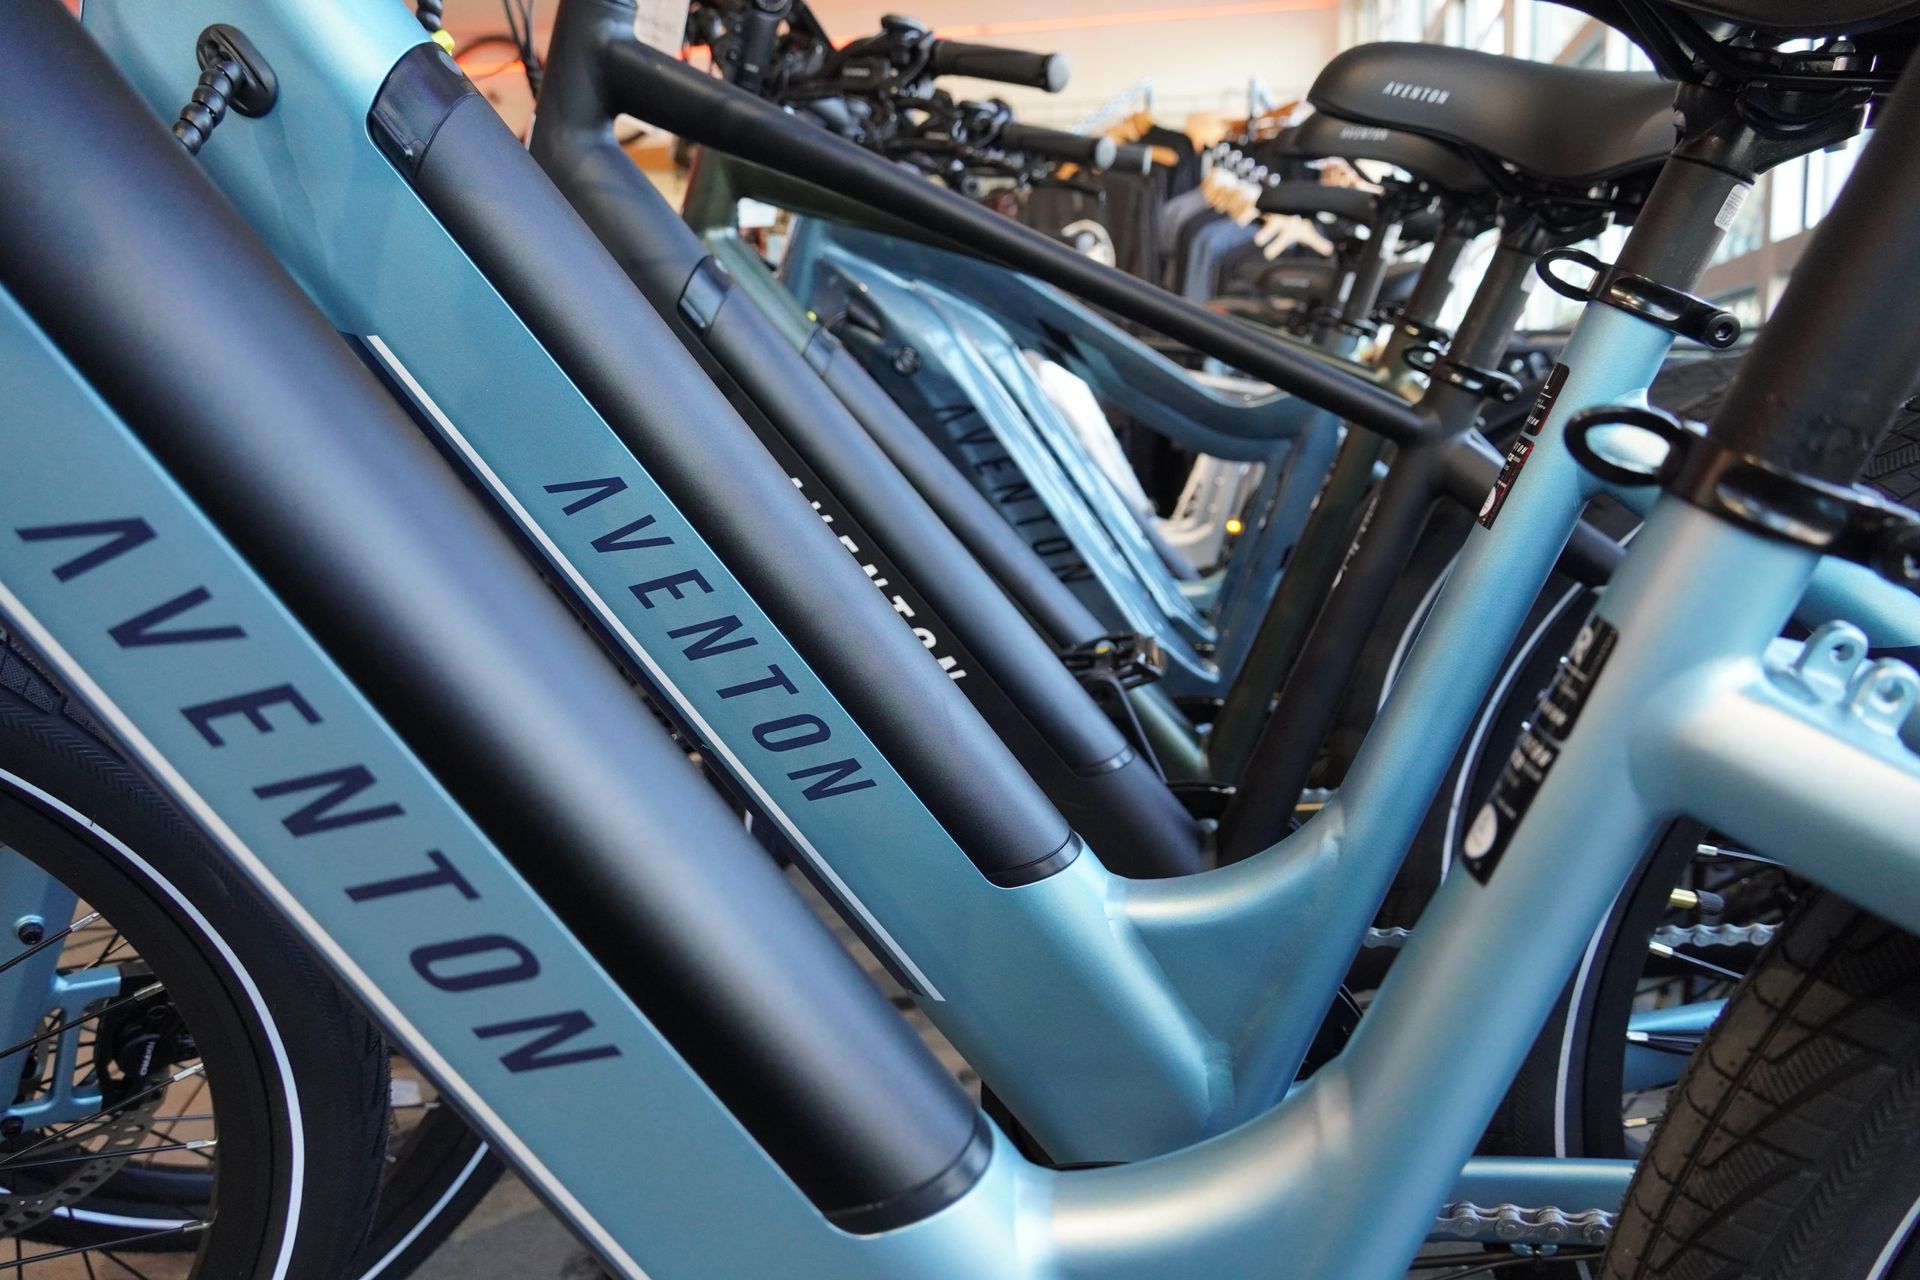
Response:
column 1779, row 19
column 1564, row 127
column 1661, row 27
column 1322, row 135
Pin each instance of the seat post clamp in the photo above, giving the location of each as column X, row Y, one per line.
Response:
column 1486, row 384
column 1419, row 331
column 1332, row 317
column 1838, row 520
column 1123, row 658
column 1421, row 336
column 1674, row 310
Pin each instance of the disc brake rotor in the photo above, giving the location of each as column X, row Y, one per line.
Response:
column 63, row 1173
column 135, row 1047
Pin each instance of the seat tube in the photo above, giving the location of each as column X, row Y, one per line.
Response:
column 1311, row 696
column 1370, row 271
column 1310, row 571
column 1321, row 548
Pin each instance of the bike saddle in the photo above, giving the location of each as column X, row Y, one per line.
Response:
column 1780, row 19
column 1322, row 136
column 1676, row 34
column 1558, row 126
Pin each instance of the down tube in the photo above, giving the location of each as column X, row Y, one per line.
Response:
column 1064, row 1012
column 671, row 1211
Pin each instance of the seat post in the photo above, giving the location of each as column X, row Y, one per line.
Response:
column 1713, row 167
column 1821, row 412
column 1430, row 291
column 1369, row 271
column 1490, row 321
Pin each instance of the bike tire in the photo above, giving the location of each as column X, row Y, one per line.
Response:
column 1789, row 1154
column 302, row 1072
column 429, row 1182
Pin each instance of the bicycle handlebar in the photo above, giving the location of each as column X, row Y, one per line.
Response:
column 1009, row 66
column 1057, row 144
column 659, row 89
column 1302, row 197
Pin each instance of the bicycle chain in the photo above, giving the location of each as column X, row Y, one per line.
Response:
column 1513, row 1224
column 1715, row 935
column 1667, row 935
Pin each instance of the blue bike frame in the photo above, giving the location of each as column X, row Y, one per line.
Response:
column 1204, row 992
column 1076, row 994
column 1324, row 1177
column 937, row 302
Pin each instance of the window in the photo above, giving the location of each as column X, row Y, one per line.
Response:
column 1745, row 305
column 1788, row 183
column 1553, row 28
column 1826, row 173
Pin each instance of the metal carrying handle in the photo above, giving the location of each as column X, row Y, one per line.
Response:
column 1837, row 520
column 1672, row 309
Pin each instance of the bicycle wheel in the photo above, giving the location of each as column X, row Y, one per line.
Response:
column 1788, row 1154
column 1653, row 980
column 437, row 1170
column 200, row 1094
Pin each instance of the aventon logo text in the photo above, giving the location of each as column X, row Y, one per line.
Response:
column 1416, row 92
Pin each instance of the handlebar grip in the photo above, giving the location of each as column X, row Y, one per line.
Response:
column 1094, row 152
column 1305, row 198
column 1009, row 66
column 1132, row 157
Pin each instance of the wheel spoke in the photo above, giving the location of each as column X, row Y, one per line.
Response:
column 185, row 1073
column 1666, row 952
column 106, row 1250
column 114, row 943
column 197, row 1145
column 1735, row 855
column 143, row 993
column 166, row 1124
column 1680, row 1042
column 121, row 1262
